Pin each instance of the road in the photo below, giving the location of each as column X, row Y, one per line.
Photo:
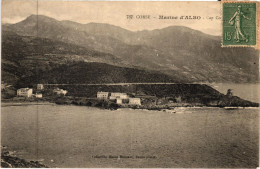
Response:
column 118, row 84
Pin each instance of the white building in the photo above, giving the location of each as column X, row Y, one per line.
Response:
column 119, row 101
column 40, row 87
column 102, row 95
column 38, row 95
column 25, row 92
column 115, row 96
column 134, row 101
column 60, row 91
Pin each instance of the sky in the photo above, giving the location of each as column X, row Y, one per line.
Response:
column 115, row 13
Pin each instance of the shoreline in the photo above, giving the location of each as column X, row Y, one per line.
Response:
column 9, row 159
column 9, row 103
column 13, row 103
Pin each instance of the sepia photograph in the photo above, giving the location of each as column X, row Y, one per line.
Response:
column 120, row 84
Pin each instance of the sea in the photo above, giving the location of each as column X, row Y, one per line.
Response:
column 245, row 91
column 79, row 136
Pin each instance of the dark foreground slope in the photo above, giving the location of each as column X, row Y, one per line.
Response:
column 9, row 160
column 15, row 162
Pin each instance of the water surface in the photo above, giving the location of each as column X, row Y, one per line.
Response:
column 245, row 91
column 71, row 136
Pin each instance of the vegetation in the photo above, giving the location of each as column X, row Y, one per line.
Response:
column 93, row 73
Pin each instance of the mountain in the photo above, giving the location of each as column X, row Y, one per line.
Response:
column 27, row 60
column 15, row 46
column 202, row 54
column 102, row 29
column 179, row 52
column 22, row 55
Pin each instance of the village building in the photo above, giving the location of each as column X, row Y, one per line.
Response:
column 60, row 91
column 134, row 101
column 38, row 95
column 115, row 96
column 40, row 87
column 102, row 95
column 119, row 101
column 25, row 92
column 119, row 98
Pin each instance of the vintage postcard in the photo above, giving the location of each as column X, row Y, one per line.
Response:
column 119, row 84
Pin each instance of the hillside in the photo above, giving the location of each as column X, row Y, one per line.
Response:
column 23, row 56
column 93, row 73
column 23, row 46
column 176, row 51
column 28, row 60
column 202, row 54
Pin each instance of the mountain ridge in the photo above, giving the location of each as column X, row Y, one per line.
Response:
column 172, row 50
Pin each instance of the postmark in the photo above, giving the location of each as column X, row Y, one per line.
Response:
column 239, row 26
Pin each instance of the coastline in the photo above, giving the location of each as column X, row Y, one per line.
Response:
column 13, row 103
column 10, row 160
column 152, row 97
column 114, row 106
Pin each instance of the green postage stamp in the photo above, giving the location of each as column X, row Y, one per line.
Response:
column 239, row 24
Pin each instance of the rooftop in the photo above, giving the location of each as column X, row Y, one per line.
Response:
column 24, row 89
